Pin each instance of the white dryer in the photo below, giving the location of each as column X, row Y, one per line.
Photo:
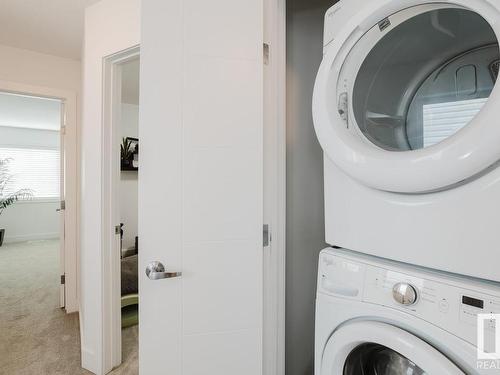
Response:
column 407, row 112
column 379, row 317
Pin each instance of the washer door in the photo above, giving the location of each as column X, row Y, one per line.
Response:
column 405, row 98
column 373, row 348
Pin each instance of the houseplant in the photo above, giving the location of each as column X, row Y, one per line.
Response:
column 8, row 199
column 126, row 153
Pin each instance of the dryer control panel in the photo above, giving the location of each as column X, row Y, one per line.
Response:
column 457, row 304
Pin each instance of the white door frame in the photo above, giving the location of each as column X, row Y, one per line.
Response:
column 62, row 206
column 110, row 216
column 71, row 165
column 274, row 185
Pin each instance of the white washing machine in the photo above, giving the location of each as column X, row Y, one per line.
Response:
column 378, row 317
column 407, row 112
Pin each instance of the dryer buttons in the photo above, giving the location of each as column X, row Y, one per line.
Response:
column 444, row 305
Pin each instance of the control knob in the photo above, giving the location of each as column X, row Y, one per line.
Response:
column 404, row 294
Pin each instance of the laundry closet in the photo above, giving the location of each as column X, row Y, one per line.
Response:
column 402, row 109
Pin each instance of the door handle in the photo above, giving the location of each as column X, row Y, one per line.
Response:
column 156, row 271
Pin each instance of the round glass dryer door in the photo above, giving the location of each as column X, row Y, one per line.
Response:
column 408, row 104
column 374, row 348
column 425, row 79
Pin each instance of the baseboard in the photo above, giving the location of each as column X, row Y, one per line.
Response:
column 31, row 237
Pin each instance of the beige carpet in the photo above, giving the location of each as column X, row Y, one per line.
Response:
column 36, row 336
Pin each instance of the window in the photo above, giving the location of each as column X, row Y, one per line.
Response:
column 33, row 168
column 30, row 139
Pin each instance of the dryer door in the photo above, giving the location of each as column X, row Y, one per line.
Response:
column 405, row 98
column 373, row 348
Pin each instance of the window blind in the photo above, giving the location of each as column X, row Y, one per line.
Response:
column 442, row 120
column 35, row 169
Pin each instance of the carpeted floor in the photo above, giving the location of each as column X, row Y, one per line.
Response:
column 36, row 336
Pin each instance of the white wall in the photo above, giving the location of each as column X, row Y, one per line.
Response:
column 27, row 221
column 129, row 127
column 305, row 206
column 38, row 69
column 111, row 26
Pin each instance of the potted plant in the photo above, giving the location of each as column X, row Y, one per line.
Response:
column 9, row 199
column 126, row 153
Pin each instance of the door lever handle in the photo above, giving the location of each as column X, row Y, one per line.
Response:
column 156, row 271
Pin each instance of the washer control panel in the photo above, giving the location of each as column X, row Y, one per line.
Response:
column 447, row 301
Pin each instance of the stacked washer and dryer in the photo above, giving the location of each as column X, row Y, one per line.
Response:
column 407, row 112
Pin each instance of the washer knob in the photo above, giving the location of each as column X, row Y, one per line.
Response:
column 404, row 294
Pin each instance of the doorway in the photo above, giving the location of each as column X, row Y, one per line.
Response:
column 38, row 255
column 120, row 214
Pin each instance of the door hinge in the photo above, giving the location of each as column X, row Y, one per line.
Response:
column 63, row 130
column 117, row 229
column 266, row 53
column 266, row 235
column 63, row 279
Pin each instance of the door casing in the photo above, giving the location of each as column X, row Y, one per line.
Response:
column 110, row 216
column 274, row 186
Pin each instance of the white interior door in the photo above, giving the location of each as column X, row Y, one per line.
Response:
column 201, row 187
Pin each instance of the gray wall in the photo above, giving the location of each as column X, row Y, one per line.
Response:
column 305, row 213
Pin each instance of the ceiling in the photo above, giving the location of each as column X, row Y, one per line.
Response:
column 53, row 27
